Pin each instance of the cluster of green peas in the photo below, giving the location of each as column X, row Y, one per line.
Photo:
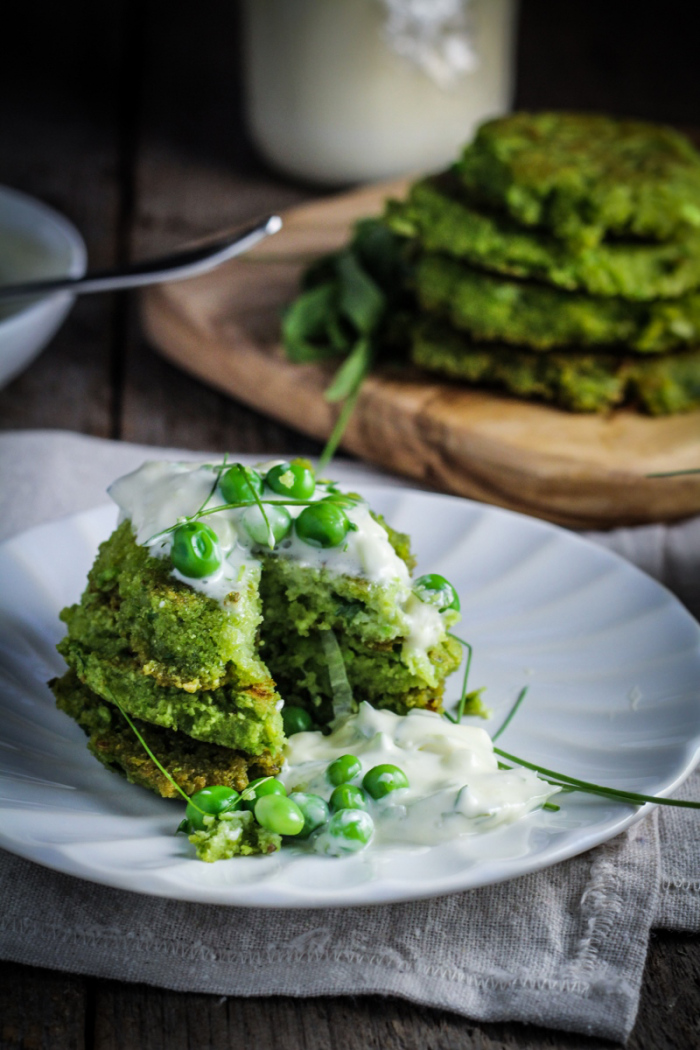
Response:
column 195, row 548
column 344, row 817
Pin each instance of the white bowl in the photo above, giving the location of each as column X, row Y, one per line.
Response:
column 35, row 243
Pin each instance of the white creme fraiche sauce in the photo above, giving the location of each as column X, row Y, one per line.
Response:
column 455, row 785
column 161, row 493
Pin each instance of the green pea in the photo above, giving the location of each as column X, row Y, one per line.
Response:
column 294, row 480
column 195, row 551
column 380, row 780
column 322, row 525
column 241, row 484
column 296, row 720
column 279, row 814
column 347, row 796
column 254, row 522
column 348, row 831
column 314, row 809
column 262, row 786
column 344, row 769
column 435, row 589
column 215, row 799
column 341, row 499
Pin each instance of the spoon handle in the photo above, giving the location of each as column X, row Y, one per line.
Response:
column 175, row 267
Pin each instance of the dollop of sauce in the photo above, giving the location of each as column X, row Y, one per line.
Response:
column 160, row 494
column 455, row 785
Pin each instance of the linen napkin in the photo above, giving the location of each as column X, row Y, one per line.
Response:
column 564, row 947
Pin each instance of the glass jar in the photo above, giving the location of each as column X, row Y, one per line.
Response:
column 330, row 99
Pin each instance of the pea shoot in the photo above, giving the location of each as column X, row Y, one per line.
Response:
column 241, row 484
column 260, row 787
column 267, row 527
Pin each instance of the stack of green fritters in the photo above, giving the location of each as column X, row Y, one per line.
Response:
column 560, row 259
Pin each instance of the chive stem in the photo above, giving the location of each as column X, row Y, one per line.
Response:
column 614, row 794
column 504, row 725
column 463, row 695
column 219, row 471
column 150, row 754
column 339, row 429
column 256, row 497
column 675, row 473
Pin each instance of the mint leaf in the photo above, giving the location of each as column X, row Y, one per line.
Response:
column 305, row 325
column 361, row 299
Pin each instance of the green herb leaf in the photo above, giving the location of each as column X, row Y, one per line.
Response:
column 381, row 253
column 361, row 299
column 351, row 373
column 305, row 325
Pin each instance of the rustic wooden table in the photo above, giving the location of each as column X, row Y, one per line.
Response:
column 126, row 118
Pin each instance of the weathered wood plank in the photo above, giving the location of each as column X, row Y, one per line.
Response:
column 210, row 182
column 179, row 201
column 71, row 164
column 669, row 1013
column 576, row 469
column 144, row 1017
column 128, row 1017
column 41, row 1010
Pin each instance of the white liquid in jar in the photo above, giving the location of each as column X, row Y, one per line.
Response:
column 329, row 101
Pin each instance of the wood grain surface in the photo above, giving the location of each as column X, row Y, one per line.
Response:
column 576, row 469
column 48, row 1011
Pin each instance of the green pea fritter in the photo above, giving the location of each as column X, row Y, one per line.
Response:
column 540, row 317
column 196, row 675
column 192, row 764
column 583, row 176
column 444, row 218
column 169, row 654
column 578, row 381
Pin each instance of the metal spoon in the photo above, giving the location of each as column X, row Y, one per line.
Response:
column 175, row 267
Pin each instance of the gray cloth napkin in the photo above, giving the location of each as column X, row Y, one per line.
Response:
column 563, row 948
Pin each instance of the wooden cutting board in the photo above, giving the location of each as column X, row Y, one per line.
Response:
column 579, row 470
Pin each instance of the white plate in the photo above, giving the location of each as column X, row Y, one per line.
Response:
column 612, row 661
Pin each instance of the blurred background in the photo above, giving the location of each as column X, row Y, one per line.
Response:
column 128, row 117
